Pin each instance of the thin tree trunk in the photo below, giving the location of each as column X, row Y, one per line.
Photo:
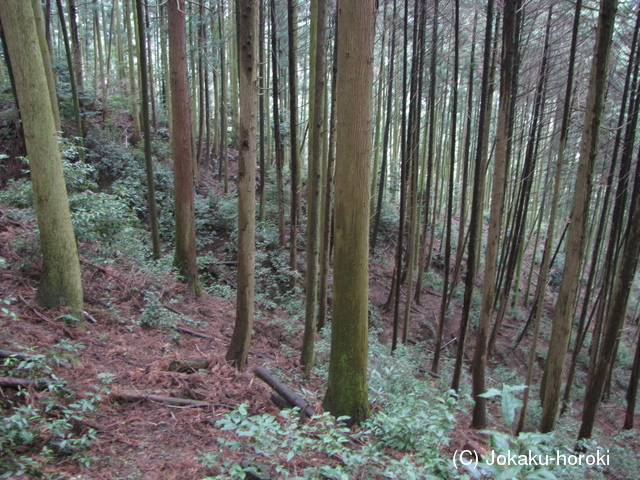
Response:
column 509, row 40
column 292, row 20
column 327, row 221
column 144, row 88
column 314, row 182
column 133, row 87
column 223, row 159
column 522, row 203
column 276, row 126
column 452, row 159
column 72, row 81
column 477, row 194
column 385, row 137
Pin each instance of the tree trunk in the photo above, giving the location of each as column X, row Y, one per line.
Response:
column 133, row 84
column 385, row 137
column 247, row 46
column 279, row 146
column 72, row 80
column 181, row 145
column 292, row 21
column 61, row 282
column 452, row 159
column 509, row 39
column 632, row 390
column 46, row 58
column 144, row 88
column 564, row 309
column 477, row 194
column 615, row 319
column 347, row 384
column 223, row 166
column 314, row 181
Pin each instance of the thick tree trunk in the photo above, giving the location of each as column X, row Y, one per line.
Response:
column 61, row 282
column 347, row 385
column 181, row 145
column 247, row 45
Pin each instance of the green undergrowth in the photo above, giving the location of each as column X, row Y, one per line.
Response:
column 37, row 432
column 410, row 424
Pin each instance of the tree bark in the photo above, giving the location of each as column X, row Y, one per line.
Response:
column 181, row 145
column 501, row 160
column 347, row 392
column 314, row 180
column 247, row 46
column 564, row 309
column 144, row 88
column 61, row 282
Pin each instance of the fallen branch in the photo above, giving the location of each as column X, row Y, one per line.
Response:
column 21, row 356
column 285, row 392
column 13, row 382
column 428, row 372
column 193, row 332
column 89, row 317
column 182, row 402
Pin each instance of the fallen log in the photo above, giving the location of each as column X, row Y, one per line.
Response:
column 8, row 354
column 14, row 382
column 285, row 392
column 182, row 402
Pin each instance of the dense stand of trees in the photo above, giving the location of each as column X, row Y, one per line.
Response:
column 495, row 143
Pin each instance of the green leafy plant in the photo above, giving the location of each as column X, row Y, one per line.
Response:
column 34, row 435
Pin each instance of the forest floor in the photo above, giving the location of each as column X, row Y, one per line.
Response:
column 149, row 440
column 133, row 335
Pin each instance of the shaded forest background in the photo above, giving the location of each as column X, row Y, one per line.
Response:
column 503, row 206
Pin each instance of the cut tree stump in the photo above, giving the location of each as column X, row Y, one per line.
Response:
column 189, row 365
column 285, row 392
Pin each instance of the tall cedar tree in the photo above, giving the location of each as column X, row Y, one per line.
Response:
column 563, row 313
column 181, row 145
column 61, row 282
column 144, row 89
column 292, row 19
column 314, row 179
column 497, row 201
column 247, row 38
column 477, row 194
column 347, row 385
